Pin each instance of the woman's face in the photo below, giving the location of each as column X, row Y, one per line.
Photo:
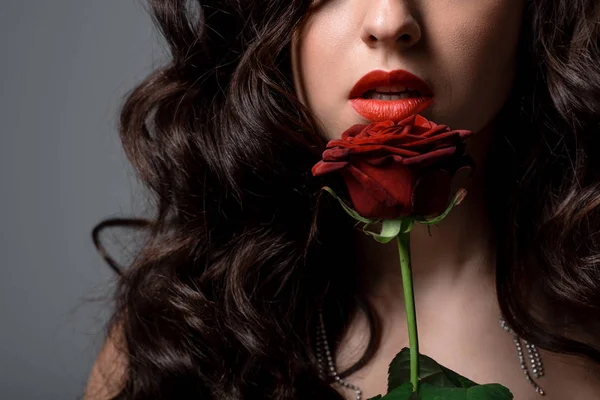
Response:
column 464, row 50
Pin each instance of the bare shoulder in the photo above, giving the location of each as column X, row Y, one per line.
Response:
column 108, row 372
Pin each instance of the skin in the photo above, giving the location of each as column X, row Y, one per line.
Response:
column 466, row 52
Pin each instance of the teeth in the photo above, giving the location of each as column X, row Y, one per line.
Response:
column 392, row 89
column 375, row 95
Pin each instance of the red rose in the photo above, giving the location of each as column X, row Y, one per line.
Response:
column 394, row 170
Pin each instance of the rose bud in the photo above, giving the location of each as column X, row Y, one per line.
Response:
column 397, row 169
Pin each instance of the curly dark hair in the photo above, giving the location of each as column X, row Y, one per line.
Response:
column 221, row 300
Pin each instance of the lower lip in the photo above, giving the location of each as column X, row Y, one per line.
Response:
column 385, row 110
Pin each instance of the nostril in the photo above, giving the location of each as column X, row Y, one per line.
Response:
column 405, row 37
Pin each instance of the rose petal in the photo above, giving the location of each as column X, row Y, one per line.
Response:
column 352, row 131
column 429, row 158
column 380, row 137
column 439, row 138
column 435, row 131
column 386, row 159
column 409, row 121
column 465, row 134
column 378, row 128
column 368, row 198
column 322, row 168
column 431, row 193
column 382, row 149
column 395, row 180
column 337, row 154
column 421, row 121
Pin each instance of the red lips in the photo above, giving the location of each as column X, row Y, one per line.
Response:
column 395, row 110
column 398, row 77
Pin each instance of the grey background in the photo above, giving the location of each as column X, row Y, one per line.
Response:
column 65, row 65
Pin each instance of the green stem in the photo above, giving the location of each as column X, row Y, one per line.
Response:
column 409, row 299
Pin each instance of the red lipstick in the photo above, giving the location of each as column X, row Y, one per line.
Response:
column 396, row 110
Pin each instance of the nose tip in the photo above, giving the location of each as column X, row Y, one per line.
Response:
column 390, row 23
column 405, row 39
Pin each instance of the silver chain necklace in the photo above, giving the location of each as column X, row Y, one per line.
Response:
column 325, row 358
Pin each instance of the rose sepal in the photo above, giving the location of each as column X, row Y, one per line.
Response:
column 456, row 200
column 349, row 210
column 390, row 228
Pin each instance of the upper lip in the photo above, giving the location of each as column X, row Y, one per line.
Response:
column 381, row 78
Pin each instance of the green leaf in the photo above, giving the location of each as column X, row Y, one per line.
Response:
column 432, row 392
column 437, row 382
column 429, row 372
column 492, row 391
column 458, row 380
column 403, row 392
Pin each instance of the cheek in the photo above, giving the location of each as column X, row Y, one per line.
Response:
column 327, row 45
column 477, row 57
column 325, row 62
